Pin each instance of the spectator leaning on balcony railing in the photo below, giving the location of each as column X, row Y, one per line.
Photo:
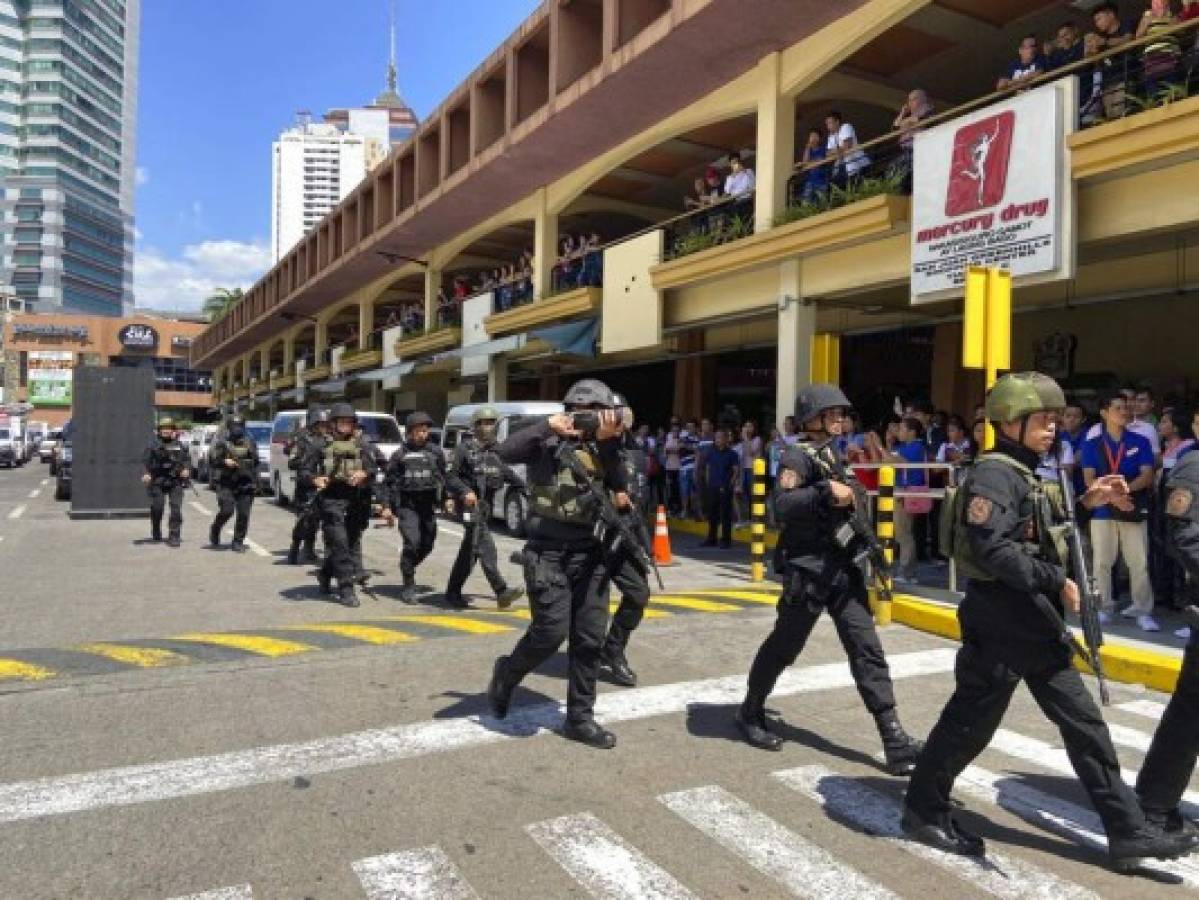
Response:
column 816, row 179
column 917, row 108
column 1065, row 49
column 1028, row 64
column 741, row 179
column 1161, row 55
column 843, row 146
column 1110, row 34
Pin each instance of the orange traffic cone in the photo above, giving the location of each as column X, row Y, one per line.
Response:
column 662, row 554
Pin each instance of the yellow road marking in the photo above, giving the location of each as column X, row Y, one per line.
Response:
column 454, row 623
column 709, row 606
column 251, row 643
column 748, row 596
column 513, row 613
column 12, row 668
column 142, row 657
column 368, row 633
column 648, row 614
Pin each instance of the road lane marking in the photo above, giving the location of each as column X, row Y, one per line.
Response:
column 368, row 633
column 454, row 623
column 423, row 874
column 129, row 785
column 240, row 892
column 878, row 815
column 602, row 862
column 200, row 508
column 35, row 493
column 142, row 657
column 451, row 529
column 14, row 669
column 44, row 482
column 258, row 549
column 803, row 868
column 709, row 606
column 251, row 643
column 18, row 512
column 1123, row 736
column 1148, row 709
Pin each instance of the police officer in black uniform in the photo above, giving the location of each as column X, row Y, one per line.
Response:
column 416, row 483
column 234, row 459
column 632, row 583
column 303, row 535
column 1171, row 757
column 342, row 472
column 475, row 474
column 564, row 559
column 816, row 495
column 1011, row 557
column 166, row 474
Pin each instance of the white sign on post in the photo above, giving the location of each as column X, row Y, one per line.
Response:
column 994, row 189
column 474, row 311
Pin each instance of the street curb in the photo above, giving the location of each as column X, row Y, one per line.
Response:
column 700, row 529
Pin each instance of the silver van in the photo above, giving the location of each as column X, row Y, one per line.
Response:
column 511, row 506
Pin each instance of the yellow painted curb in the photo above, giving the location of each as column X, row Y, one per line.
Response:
column 742, row 535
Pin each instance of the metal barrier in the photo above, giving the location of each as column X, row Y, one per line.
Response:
column 884, row 523
column 757, row 544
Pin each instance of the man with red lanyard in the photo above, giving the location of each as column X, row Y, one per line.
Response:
column 1120, row 528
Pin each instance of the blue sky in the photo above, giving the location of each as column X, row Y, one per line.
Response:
column 219, row 79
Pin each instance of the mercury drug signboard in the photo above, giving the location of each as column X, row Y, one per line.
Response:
column 994, row 189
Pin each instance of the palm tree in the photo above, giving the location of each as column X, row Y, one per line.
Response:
column 219, row 303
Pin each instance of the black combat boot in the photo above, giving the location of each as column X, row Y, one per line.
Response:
column 293, row 555
column 1174, row 822
column 751, row 719
column 1148, row 842
column 614, row 664
column 237, row 546
column 943, row 834
column 347, row 596
column 456, row 600
column 508, row 596
column 408, row 590
column 499, row 689
column 214, row 536
column 156, row 533
column 900, row 748
column 308, row 554
column 173, row 541
column 590, row 733
column 325, row 582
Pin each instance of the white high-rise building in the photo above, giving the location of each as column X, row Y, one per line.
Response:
column 68, row 121
column 313, row 168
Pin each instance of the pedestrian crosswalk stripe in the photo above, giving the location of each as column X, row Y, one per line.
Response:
column 142, row 657
column 694, row 603
column 1149, row 709
column 257, row 549
column 251, row 643
column 200, row 508
column 454, row 623
column 240, row 892
column 14, row 669
column 878, row 815
column 189, row 777
column 1122, row 736
column 802, row 867
column 423, row 874
column 371, row 634
column 602, row 862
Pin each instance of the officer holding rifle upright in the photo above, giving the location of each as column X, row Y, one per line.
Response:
column 303, row 535
column 166, row 474
column 234, row 460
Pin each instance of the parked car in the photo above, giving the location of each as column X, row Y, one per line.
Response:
column 381, row 428
column 45, row 447
column 9, row 457
column 260, row 434
column 510, row 505
column 199, row 442
column 64, row 457
column 60, row 446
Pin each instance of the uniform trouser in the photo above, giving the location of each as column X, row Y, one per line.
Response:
column 1171, row 758
column 159, row 494
column 850, row 611
column 1111, row 539
column 229, row 502
column 342, row 523
column 633, row 585
column 905, row 536
column 308, row 520
column 484, row 552
column 984, row 689
column 418, row 528
column 568, row 597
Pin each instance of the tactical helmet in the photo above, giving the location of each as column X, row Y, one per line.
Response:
column 343, row 410
column 417, row 418
column 314, row 415
column 166, row 422
column 319, row 417
column 1020, row 394
column 589, row 392
column 817, row 398
column 484, row 414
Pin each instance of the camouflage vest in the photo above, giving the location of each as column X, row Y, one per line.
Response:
column 565, row 500
column 342, row 458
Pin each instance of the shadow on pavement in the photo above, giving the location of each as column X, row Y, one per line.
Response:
column 308, row 593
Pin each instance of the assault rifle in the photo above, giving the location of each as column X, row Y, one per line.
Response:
column 611, row 528
column 1092, row 632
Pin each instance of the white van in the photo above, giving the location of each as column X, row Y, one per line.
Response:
column 511, row 506
column 381, row 428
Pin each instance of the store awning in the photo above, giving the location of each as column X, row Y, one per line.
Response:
column 576, row 338
column 331, row 387
column 393, row 371
column 486, row 348
column 295, row 395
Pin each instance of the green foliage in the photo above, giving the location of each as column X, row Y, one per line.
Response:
column 220, row 302
column 835, row 197
column 1170, row 93
column 722, row 229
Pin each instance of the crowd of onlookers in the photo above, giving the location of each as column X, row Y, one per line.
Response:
column 704, row 471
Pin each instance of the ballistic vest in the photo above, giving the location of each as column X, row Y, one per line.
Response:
column 420, row 471
column 564, row 499
column 342, row 458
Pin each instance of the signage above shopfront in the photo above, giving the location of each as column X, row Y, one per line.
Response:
column 138, row 337
column 994, row 189
column 181, row 342
column 53, row 332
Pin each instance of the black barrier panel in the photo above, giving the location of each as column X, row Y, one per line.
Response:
column 112, row 424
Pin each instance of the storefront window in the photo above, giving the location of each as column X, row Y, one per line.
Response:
column 170, row 373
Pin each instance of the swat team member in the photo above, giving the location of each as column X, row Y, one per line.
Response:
column 1007, row 546
column 475, row 474
column 303, row 535
column 166, row 474
column 564, row 562
column 342, row 472
column 816, row 495
column 416, row 482
column 235, row 462
column 632, row 583
column 1171, row 757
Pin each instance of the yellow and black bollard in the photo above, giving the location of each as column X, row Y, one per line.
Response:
column 885, row 526
column 757, row 542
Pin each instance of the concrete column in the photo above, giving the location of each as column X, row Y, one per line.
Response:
column 289, row 353
column 497, row 380
column 264, row 363
column 432, row 283
column 320, row 341
column 776, row 145
column 796, row 327
column 545, row 247
column 366, row 321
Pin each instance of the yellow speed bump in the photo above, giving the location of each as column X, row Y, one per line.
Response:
column 251, row 643
column 454, row 623
column 142, row 657
column 763, row 597
column 368, row 633
column 645, row 614
column 15, row 670
column 694, row 603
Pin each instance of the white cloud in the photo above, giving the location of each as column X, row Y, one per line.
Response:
column 183, row 282
column 141, row 175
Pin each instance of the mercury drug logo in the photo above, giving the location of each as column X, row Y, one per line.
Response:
column 979, row 168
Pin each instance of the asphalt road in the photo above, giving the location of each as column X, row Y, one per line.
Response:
column 366, row 766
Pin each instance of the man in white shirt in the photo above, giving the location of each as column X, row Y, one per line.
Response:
column 740, row 180
column 843, row 145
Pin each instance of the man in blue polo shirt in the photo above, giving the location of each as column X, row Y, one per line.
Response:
column 721, row 471
column 1120, row 528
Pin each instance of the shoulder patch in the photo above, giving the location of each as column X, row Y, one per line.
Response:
column 1179, row 502
column 979, row 510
